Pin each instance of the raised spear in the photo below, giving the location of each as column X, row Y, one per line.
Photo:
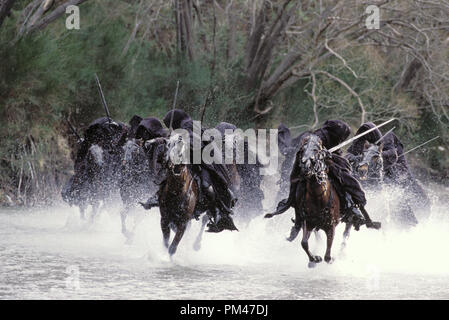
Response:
column 103, row 100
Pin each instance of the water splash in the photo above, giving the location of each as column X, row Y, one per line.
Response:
column 36, row 247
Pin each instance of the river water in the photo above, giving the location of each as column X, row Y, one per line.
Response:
column 49, row 253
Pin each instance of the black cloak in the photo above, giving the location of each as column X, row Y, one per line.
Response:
column 218, row 172
column 133, row 123
column 356, row 147
column 150, row 128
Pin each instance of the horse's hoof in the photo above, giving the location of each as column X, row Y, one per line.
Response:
column 317, row 259
column 268, row 215
column 311, row 264
column 329, row 260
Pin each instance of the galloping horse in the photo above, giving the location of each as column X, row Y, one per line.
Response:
column 179, row 194
column 321, row 202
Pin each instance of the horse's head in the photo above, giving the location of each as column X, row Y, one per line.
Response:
column 176, row 155
column 313, row 159
column 371, row 165
column 133, row 155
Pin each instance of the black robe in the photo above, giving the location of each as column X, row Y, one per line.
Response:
column 356, row 148
column 216, row 174
column 397, row 171
column 251, row 194
column 150, row 128
column 133, row 124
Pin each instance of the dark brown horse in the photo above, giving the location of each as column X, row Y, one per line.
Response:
column 321, row 202
column 179, row 195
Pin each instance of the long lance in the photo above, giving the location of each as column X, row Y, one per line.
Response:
column 344, row 143
column 103, row 100
column 174, row 105
column 419, row 146
column 74, row 131
column 381, row 138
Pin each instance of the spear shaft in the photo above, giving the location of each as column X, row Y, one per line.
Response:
column 419, row 146
column 103, row 100
column 174, row 105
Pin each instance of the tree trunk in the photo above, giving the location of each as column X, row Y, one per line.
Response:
column 260, row 46
column 184, row 27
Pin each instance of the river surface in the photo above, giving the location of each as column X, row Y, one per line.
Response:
column 49, row 253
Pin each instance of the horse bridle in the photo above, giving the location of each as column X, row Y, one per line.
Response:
column 378, row 165
column 314, row 165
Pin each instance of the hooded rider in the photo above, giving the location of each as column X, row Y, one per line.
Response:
column 213, row 179
column 250, row 192
column 332, row 133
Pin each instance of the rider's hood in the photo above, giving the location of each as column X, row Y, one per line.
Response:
column 357, row 146
column 178, row 119
column 222, row 126
column 150, row 128
column 134, row 123
column 392, row 142
column 333, row 132
column 102, row 129
column 284, row 139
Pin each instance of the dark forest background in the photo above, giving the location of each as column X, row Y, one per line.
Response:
column 255, row 63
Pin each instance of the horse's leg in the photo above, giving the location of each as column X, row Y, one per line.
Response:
column 197, row 244
column 165, row 231
column 305, row 245
column 178, row 236
column 330, row 239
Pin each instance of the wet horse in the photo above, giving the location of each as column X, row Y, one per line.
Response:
column 86, row 186
column 179, row 194
column 321, row 202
